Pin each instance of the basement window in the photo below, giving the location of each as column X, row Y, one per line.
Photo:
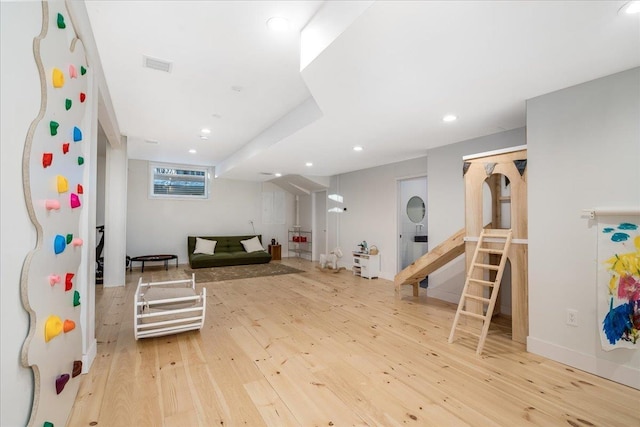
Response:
column 170, row 181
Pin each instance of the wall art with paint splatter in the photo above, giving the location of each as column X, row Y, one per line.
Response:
column 619, row 283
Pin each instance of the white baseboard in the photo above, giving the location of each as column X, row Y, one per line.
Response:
column 585, row 362
column 89, row 356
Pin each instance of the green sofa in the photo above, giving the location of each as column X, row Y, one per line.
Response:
column 228, row 251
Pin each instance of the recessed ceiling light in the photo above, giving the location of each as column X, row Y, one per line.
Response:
column 192, row 151
column 308, row 164
column 358, row 148
column 236, row 88
column 278, row 175
column 204, row 137
column 216, row 116
column 630, row 8
column 278, row 24
column 151, row 141
column 450, row 118
column 205, row 131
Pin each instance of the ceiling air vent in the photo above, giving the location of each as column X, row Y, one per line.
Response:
column 156, row 64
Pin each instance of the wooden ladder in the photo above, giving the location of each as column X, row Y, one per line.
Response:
column 494, row 242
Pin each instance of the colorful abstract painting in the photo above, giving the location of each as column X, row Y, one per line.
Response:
column 619, row 284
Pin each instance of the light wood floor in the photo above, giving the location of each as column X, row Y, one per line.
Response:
column 318, row 349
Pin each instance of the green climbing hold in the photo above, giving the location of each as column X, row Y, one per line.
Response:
column 47, row 424
column 61, row 23
column 67, row 104
column 83, row 70
column 76, row 298
column 80, row 160
column 69, row 238
column 54, row 127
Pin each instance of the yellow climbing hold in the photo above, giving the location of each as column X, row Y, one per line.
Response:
column 52, row 327
column 58, row 78
column 63, row 184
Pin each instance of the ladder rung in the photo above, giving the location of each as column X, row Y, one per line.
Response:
column 495, row 236
column 491, row 251
column 482, row 282
column 487, row 266
column 470, row 314
column 466, row 331
column 477, row 298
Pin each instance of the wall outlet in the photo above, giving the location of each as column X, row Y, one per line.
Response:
column 572, row 317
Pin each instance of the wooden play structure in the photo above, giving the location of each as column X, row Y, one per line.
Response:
column 500, row 170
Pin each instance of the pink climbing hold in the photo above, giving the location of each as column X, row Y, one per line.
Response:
column 61, row 381
column 52, row 204
column 74, row 200
column 77, row 242
column 54, row 278
column 73, row 73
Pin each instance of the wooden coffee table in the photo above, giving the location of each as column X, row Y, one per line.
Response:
column 153, row 258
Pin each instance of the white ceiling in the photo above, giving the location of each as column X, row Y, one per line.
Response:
column 384, row 83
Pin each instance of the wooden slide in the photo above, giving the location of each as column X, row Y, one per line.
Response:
column 441, row 255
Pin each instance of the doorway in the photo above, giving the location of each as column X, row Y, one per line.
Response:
column 319, row 227
column 412, row 221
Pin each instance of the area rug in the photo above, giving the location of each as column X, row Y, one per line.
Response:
column 235, row 272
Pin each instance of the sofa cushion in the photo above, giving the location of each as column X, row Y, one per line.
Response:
column 205, row 246
column 252, row 245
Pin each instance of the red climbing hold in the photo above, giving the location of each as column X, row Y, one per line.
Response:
column 67, row 281
column 80, row 189
column 47, row 159
column 82, row 96
column 65, row 148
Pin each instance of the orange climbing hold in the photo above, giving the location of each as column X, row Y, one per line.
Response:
column 69, row 325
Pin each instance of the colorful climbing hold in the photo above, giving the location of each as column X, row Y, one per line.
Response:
column 73, row 73
column 82, row 96
column 47, row 424
column 52, row 327
column 77, row 368
column 52, row 204
column 47, row 159
column 61, row 381
column 68, row 326
column 77, row 134
column 59, row 243
column 68, row 283
column 58, row 78
column 60, row 22
column 83, row 70
column 80, row 189
column 67, row 104
column 65, row 147
column 80, row 160
column 69, row 238
column 63, row 184
column 76, row 298
column 53, row 279
column 74, row 200
column 77, row 242
column 53, row 127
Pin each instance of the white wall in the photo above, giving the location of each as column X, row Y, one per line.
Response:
column 445, row 202
column 584, row 152
column 371, row 198
column 20, row 88
column 157, row 226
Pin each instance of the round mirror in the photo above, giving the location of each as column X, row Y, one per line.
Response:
column 415, row 209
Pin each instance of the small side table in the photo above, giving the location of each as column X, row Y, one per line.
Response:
column 276, row 252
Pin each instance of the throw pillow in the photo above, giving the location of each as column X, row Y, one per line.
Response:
column 252, row 245
column 205, row 246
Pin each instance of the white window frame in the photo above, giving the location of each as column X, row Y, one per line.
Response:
column 152, row 174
